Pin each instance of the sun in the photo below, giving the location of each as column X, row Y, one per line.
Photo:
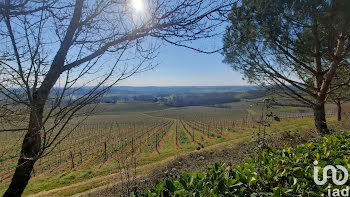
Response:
column 137, row 5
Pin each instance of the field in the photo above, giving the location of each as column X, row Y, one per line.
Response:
column 149, row 132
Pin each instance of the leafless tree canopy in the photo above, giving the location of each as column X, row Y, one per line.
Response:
column 101, row 44
column 52, row 50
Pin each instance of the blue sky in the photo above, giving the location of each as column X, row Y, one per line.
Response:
column 184, row 67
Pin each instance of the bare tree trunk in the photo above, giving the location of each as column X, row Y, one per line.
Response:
column 320, row 118
column 31, row 145
column 339, row 109
column 29, row 155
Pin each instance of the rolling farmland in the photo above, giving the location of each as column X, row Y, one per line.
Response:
column 96, row 146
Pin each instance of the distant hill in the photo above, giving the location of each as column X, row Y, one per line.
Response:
column 175, row 96
column 179, row 96
column 178, row 90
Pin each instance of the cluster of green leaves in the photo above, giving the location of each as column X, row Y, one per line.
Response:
column 287, row 172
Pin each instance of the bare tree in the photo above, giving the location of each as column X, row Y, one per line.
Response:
column 23, row 7
column 52, row 50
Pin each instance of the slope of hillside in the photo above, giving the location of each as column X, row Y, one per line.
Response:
column 286, row 172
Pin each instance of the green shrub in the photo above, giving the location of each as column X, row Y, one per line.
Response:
column 287, row 172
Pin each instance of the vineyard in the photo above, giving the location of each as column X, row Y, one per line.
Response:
column 96, row 146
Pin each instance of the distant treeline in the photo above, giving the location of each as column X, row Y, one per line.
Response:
column 205, row 99
column 201, row 99
column 179, row 96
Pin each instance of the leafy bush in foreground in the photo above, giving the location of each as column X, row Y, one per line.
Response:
column 287, row 172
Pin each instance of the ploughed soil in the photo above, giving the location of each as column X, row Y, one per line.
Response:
column 200, row 160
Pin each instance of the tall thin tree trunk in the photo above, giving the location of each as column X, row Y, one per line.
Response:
column 29, row 155
column 320, row 118
column 339, row 109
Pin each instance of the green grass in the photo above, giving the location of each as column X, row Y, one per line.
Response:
column 183, row 137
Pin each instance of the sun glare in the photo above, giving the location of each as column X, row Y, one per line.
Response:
column 137, row 5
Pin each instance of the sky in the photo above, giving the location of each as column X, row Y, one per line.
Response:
column 180, row 66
